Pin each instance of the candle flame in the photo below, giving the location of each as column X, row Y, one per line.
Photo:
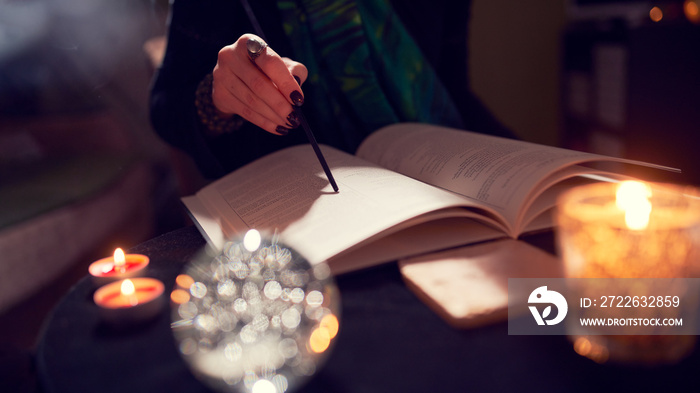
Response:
column 119, row 259
column 632, row 197
column 128, row 287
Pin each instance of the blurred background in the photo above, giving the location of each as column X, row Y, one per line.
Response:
column 81, row 171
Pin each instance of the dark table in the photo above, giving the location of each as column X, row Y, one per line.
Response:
column 389, row 342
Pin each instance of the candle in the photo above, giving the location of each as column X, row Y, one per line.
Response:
column 130, row 300
column 118, row 266
column 624, row 231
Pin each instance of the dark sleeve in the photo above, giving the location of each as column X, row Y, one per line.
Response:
column 190, row 54
column 441, row 29
column 197, row 30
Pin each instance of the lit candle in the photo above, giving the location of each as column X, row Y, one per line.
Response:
column 623, row 231
column 131, row 300
column 118, row 266
column 632, row 197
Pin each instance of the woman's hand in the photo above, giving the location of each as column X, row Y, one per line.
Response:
column 263, row 91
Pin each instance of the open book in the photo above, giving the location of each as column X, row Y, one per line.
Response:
column 411, row 188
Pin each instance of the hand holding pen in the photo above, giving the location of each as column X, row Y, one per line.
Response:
column 250, row 79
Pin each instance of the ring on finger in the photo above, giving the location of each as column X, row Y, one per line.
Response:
column 255, row 48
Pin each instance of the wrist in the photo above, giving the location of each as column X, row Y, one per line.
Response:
column 215, row 121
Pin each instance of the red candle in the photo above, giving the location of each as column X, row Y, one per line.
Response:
column 130, row 300
column 117, row 267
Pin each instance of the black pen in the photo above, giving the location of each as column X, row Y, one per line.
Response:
column 309, row 135
column 312, row 140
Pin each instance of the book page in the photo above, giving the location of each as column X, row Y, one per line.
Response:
column 495, row 172
column 441, row 234
column 288, row 193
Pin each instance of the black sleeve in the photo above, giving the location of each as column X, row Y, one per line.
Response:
column 197, row 30
column 190, row 54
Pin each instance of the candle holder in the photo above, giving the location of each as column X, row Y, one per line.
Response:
column 117, row 267
column 630, row 230
column 254, row 317
column 130, row 301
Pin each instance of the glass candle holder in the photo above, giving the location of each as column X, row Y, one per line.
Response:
column 630, row 230
column 256, row 317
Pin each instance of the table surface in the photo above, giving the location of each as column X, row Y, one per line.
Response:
column 389, row 341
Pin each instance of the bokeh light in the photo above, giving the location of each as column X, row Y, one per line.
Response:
column 255, row 318
column 691, row 9
column 584, row 347
column 184, row 281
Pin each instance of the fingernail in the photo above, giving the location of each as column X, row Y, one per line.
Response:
column 293, row 120
column 297, row 98
column 296, row 78
column 281, row 130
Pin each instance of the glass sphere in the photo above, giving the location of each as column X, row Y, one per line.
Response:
column 256, row 317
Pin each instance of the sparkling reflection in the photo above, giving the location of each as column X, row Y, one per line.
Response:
column 251, row 240
column 264, row 386
column 291, row 318
column 256, row 318
column 198, row 290
column 188, row 346
column 273, row 290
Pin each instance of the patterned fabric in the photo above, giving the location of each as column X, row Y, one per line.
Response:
column 362, row 58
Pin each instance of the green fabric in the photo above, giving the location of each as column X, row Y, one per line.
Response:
column 31, row 190
column 366, row 63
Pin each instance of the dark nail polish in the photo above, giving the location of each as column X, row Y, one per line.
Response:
column 296, row 78
column 281, row 130
column 297, row 98
column 293, row 120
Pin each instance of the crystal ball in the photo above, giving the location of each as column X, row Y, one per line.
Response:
column 255, row 317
